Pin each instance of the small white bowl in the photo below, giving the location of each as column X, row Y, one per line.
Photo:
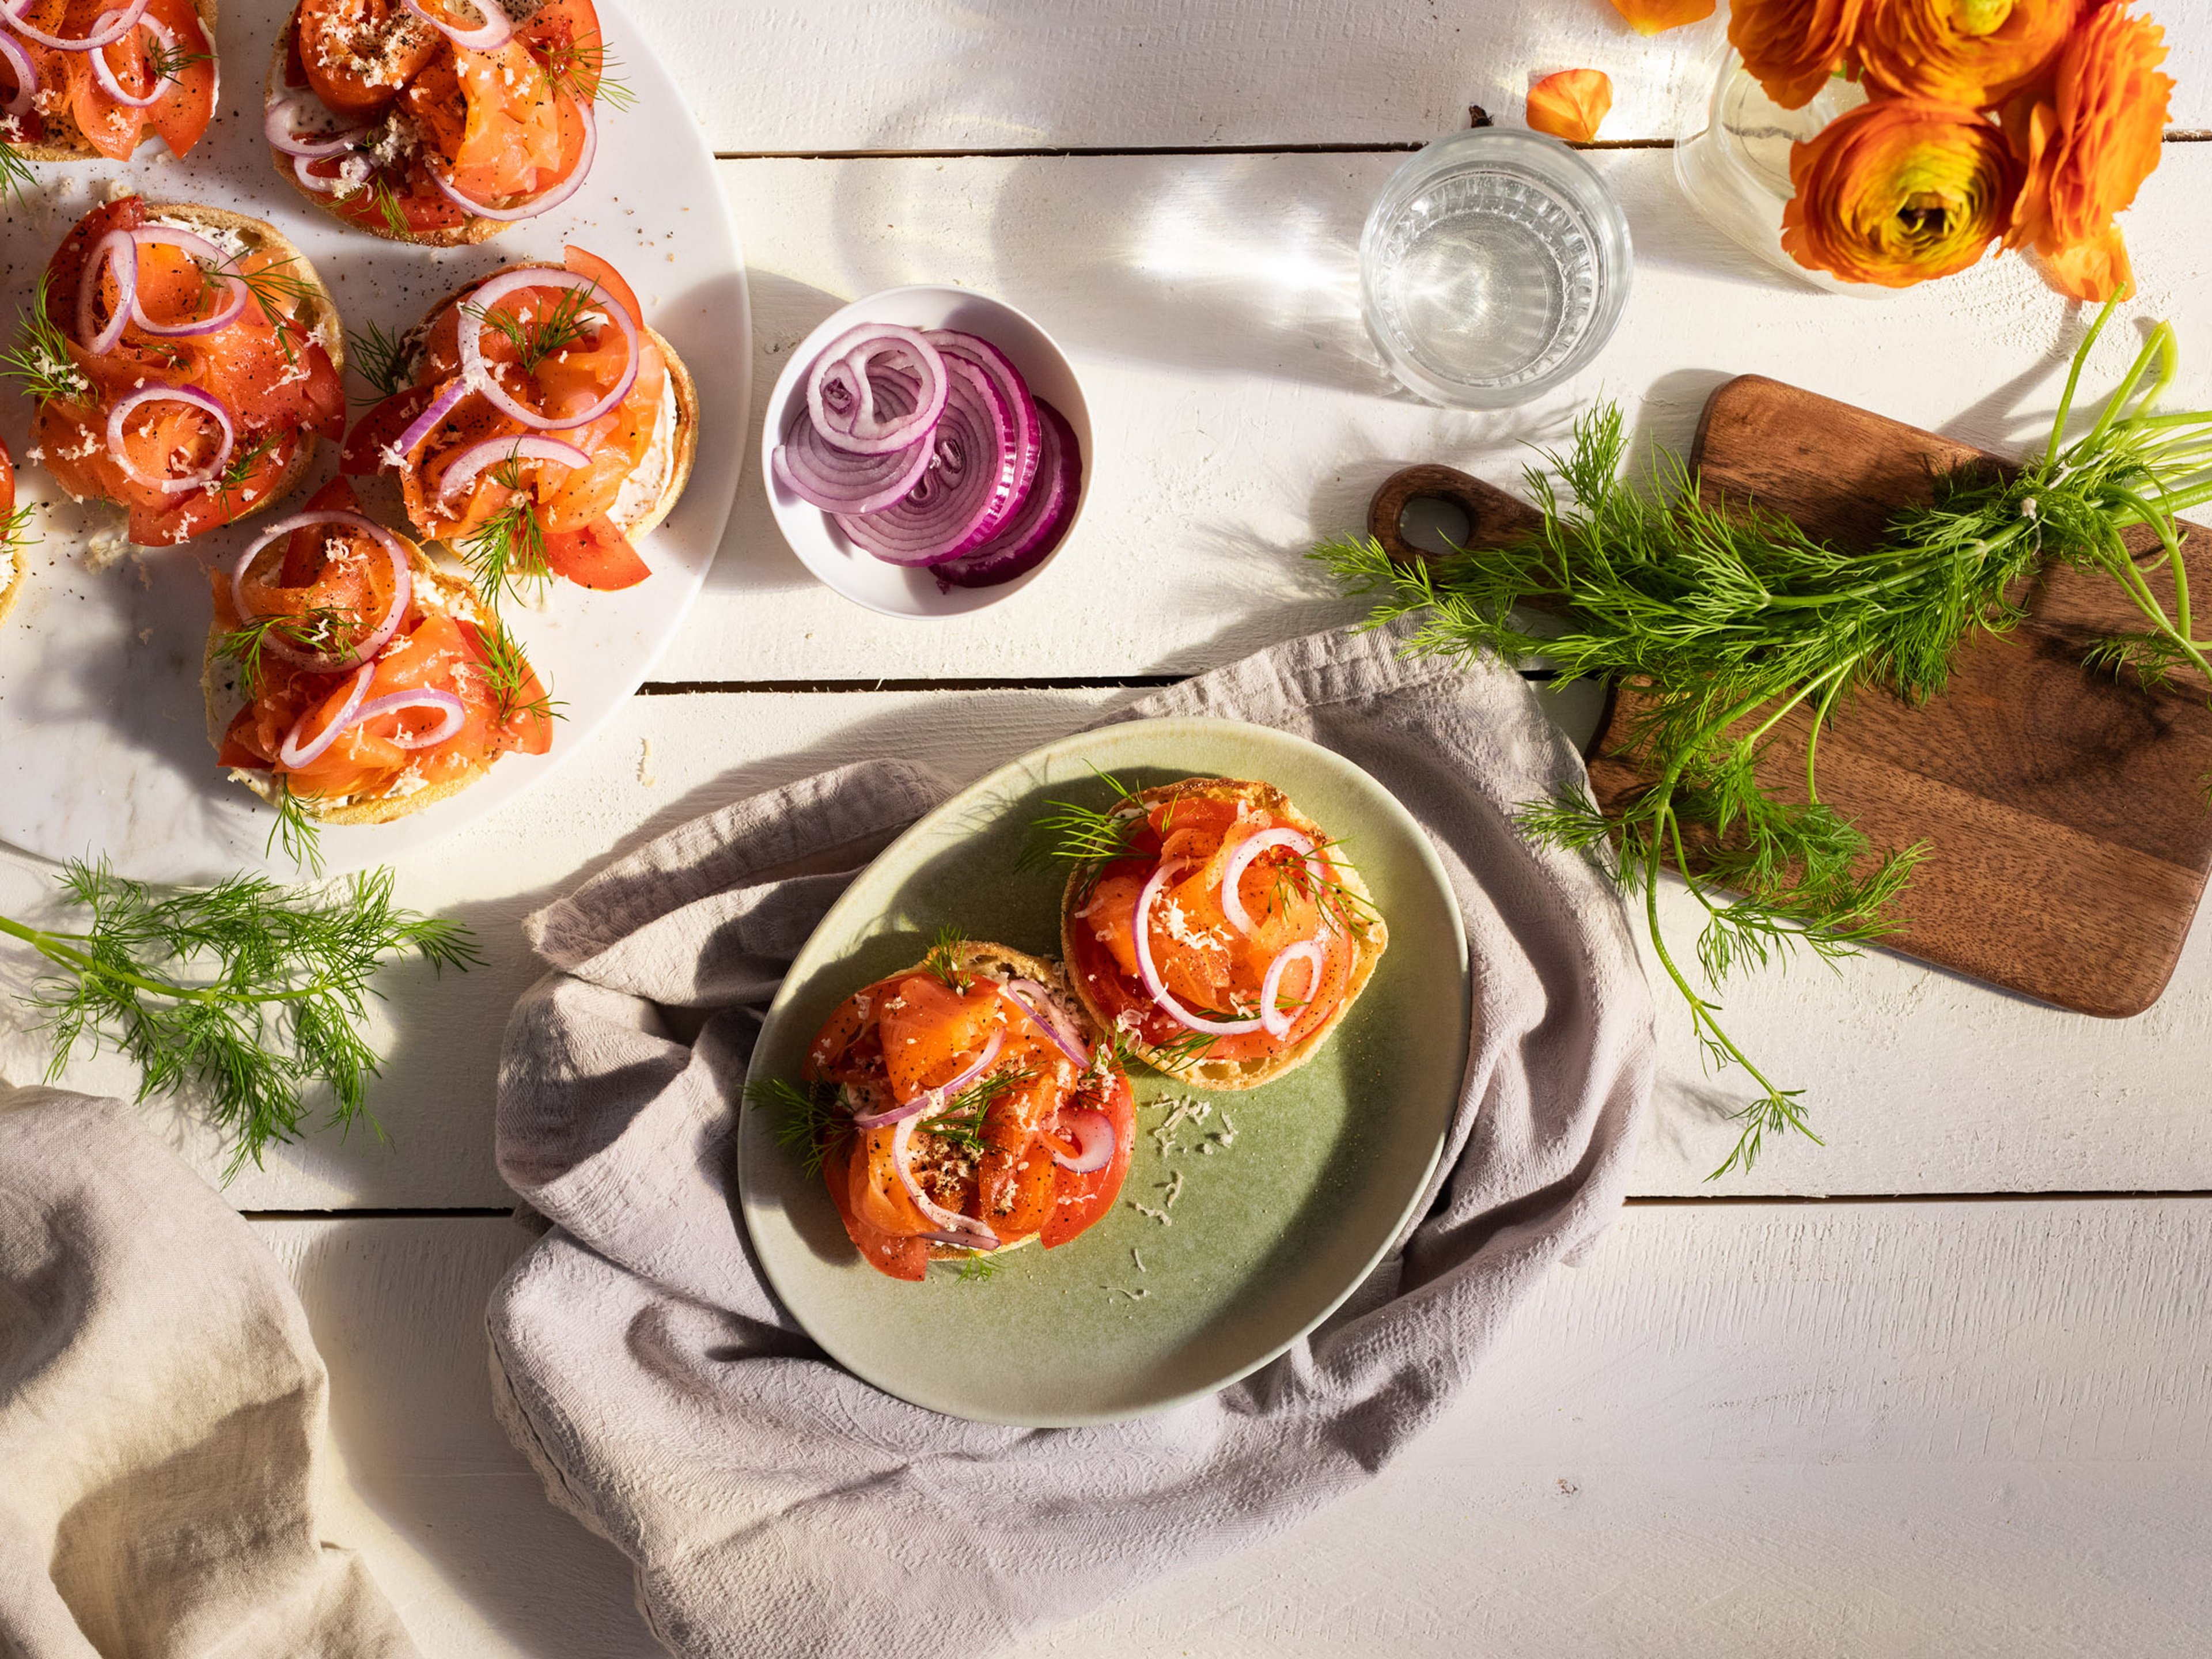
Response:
column 899, row 590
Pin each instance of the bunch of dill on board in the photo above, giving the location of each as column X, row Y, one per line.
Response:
column 246, row 995
column 1725, row 622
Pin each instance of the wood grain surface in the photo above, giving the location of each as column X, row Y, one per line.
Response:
column 2064, row 810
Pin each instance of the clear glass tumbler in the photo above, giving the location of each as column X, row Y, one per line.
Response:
column 1494, row 265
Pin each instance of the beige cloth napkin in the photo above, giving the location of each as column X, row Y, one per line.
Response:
column 161, row 1411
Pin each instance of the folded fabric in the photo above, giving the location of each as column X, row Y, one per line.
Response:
column 773, row 1504
column 161, row 1411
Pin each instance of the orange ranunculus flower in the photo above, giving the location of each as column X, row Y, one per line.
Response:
column 1790, row 46
column 2088, row 149
column 1975, row 52
column 1651, row 16
column 1897, row 192
column 1571, row 104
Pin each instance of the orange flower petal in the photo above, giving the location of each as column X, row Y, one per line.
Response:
column 1653, row 16
column 1961, row 51
column 2093, row 271
column 1790, row 46
column 1571, row 104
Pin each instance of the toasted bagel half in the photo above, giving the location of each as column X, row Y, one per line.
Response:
column 64, row 140
column 15, row 577
column 1365, row 930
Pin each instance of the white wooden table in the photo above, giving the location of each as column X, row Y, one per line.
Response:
column 1943, row 1385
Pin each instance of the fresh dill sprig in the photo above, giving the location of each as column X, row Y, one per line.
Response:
column 942, row 959
column 248, row 993
column 803, row 1116
column 240, row 467
column 319, row 628
column 169, row 61
column 1726, row 622
column 585, row 72
column 40, row 361
column 385, row 200
column 276, row 292
column 961, row 1122
column 566, row 323
column 17, row 181
column 1186, row 1049
column 979, row 1268
column 509, row 547
column 507, row 675
column 381, row 359
column 1088, row 837
column 296, row 830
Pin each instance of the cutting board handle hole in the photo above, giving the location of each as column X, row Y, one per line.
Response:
column 1421, row 511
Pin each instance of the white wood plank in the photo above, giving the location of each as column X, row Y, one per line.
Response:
column 1210, row 305
column 1858, row 1429
column 809, row 76
column 1921, row 1082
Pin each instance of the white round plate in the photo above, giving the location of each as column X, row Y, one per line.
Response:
column 103, row 738
column 897, row 590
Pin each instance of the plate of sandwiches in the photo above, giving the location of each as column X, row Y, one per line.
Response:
column 358, row 468
column 1109, row 1078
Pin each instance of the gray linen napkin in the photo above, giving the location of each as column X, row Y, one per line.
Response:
column 773, row 1504
column 162, row 1411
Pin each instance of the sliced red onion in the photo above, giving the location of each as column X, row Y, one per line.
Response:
column 462, row 470
column 951, row 1221
column 302, row 168
column 276, row 127
column 1155, row 986
column 118, row 249
column 27, row 76
column 293, row 755
column 1094, row 1139
column 935, row 1100
column 104, row 72
column 426, row 422
column 103, row 33
column 212, row 260
column 958, row 1241
column 180, row 394
column 836, row 480
column 402, row 589
column 477, row 371
column 1013, row 390
column 1232, row 898
column 455, row 711
column 841, row 392
column 1035, row 528
column 1033, row 999
column 1277, row 1023
column 546, row 202
column 968, row 491
column 495, row 32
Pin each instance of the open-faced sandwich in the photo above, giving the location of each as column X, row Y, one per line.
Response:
column 349, row 681
column 437, row 121
column 99, row 78
column 1215, row 927
column 535, row 425
column 961, row 1109
column 185, row 361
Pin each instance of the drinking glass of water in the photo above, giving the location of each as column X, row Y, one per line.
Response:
column 1494, row 266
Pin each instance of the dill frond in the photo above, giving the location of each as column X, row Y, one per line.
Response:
column 803, row 1116
column 381, row 359
column 569, row 321
column 240, row 467
column 40, row 360
column 320, row 628
column 585, row 73
column 298, row 831
column 508, row 674
column 942, row 959
column 506, row 549
column 169, row 62
column 17, row 181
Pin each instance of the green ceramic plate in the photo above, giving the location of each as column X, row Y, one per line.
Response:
column 1283, row 1197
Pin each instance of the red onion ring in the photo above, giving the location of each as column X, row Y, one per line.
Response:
column 1155, row 986
column 455, row 711
column 403, row 590
column 951, row 1221
column 27, row 76
column 290, row 752
column 935, row 1100
column 964, row 497
column 1035, row 528
column 120, row 249
column 214, row 257
column 840, row 390
column 477, row 371
column 181, row 394
column 818, row 472
column 104, row 72
column 958, row 1241
column 552, row 198
column 1046, row 1017
column 495, row 32
column 1232, row 899
column 426, row 422
column 102, row 35
column 315, row 181
column 276, row 127
column 1277, row 1023
column 462, row 470
column 1013, row 390
column 1094, row 1139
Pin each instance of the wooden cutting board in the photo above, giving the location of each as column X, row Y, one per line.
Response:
column 2069, row 834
